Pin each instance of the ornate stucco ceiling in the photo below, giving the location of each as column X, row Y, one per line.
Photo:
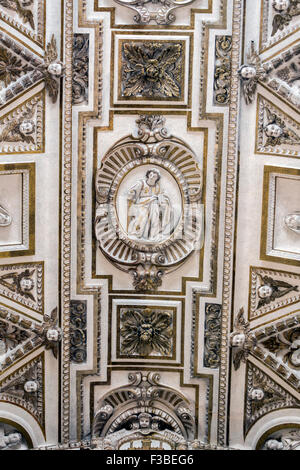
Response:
column 149, row 224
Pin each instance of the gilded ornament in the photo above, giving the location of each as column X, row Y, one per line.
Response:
column 80, row 78
column 264, row 395
column 146, row 331
column 139, row 238
column 152, row 70
column 222, row 70
column 21, row 283
column 159, row 11
column 11, row 67
column 78, row 340
column 52, row 69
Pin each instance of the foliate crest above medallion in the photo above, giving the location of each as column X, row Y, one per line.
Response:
column 24, row 284
column 149, row 217
column 271, row 290
column 27, row 16
column 158, row 11
column 152, row 70
column 22, row 129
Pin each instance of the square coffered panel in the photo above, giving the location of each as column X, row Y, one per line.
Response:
column 142, row 333
column 154, row 71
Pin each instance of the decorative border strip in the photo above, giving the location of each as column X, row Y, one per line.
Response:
column 231, row 181
column 66, row 219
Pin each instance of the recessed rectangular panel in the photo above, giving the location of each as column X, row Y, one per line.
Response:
column 11, row 234
column 280, row 237
column 17, row 209
column 287, row 202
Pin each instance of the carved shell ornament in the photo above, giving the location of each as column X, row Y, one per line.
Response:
column 149, row 217
column 159, row 11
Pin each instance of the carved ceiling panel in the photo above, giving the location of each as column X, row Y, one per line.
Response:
column 149, row 226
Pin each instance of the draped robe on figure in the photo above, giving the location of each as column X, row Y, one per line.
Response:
column 150, row 215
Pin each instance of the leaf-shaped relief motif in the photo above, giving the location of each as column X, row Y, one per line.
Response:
column 152, row 70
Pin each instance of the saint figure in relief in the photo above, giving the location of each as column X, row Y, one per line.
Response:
column 150, row 213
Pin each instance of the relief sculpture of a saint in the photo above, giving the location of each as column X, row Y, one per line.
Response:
column 150, row 213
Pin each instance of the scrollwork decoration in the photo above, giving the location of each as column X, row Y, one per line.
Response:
column 212, row 336
column 78, row 331
column 159, row 11
column 222, row 70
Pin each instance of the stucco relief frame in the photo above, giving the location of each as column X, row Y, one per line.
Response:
column 229, row 211
column 27, row 246
column 267, row 251
column 185, row 39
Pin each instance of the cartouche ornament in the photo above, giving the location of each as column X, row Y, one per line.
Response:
column 159, row 11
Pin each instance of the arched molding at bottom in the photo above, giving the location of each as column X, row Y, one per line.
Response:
column 23, row 422
column 269, row 423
